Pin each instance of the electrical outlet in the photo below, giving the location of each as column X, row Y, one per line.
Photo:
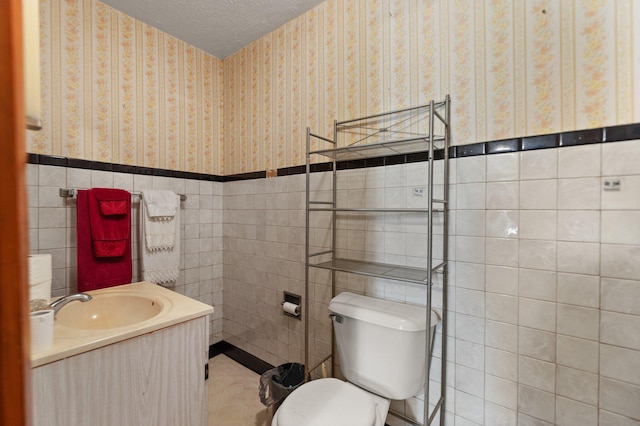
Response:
column 612, row 184
column 418, row 192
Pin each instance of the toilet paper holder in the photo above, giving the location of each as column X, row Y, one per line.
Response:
column 293, row 299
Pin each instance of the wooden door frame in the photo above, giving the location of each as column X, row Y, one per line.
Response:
column 14, row 329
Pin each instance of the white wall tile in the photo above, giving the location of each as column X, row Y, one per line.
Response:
column 498, row 415
column 579, row 225
column 539, row 194
column 501, row 336
column 621, row 227
column 537, row 284
column 470, row 381
column 620, row 295
column 469, row 407
column 470, row 302
column 502, row 223
column 620, row 363
column 537, row 344
column 541, row 164
column 503, row 167
column 470, row 249
column 52, row 176
column 583, row 290
column 503, row 195
column 537, row 254
column 536, row 373
column 469, row 328
column 470, row 222
column 537, row 314
column 620, row 261
column 502, row 308
column 501, row 279
column 471, row 169
column 502, row 392
column 620, row 158
column 577, row 384
column 621, row 398
column 471, row 196
column 579, row 161
column 501, row 363
column 578, row 353
column 470, row 354
column 502, row 251
column 577, row 321
column 524, row 420
column 569, row 413
column 470, row 275
column 620, row 329
column 538, row 224
column 611, row 419
column 536, row 403
column 578, row 258
column 579, row 194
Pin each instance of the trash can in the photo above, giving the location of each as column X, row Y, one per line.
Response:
column 276, row 384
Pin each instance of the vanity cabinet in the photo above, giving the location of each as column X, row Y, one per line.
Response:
column 154, row 379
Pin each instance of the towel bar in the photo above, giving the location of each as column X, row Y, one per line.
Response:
column 70, row 193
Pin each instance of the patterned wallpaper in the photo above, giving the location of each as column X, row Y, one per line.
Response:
column 512, row 68
column 117, row 90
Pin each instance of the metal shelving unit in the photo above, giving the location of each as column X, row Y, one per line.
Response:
column 400, row 132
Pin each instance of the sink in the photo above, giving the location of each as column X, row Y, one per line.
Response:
column 109, row 310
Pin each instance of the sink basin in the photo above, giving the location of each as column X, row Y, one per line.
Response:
column 109, row 311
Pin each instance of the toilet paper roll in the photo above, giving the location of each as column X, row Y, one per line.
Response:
column 40, row 275
column 291, row 308
column 41, row 330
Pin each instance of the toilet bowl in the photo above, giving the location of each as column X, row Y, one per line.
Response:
column 332, row 402
column 381, row 347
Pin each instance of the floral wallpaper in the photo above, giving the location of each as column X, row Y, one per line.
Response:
column 512, row 68
column 120, row 91
column 117, row 90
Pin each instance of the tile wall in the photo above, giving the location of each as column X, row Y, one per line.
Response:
column 52, row 228
column 544, row 279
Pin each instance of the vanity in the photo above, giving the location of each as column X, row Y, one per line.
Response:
column 134, row 355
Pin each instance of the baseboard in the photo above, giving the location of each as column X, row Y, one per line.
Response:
column 240, row 356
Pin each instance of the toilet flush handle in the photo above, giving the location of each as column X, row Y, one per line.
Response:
column 337, row 318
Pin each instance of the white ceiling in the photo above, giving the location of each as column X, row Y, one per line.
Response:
column 219, row 27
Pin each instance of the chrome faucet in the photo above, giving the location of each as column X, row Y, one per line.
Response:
column 60, row 303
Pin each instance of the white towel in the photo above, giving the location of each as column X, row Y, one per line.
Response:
column 160, row 266
column 161, row 206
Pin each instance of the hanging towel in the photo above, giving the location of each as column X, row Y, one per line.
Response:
column 160, row 229
column 160, row 254
column 110, row 217
column 105, row 214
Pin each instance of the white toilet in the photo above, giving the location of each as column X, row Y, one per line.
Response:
column 381, row 345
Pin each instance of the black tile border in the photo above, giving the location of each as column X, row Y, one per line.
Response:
column 555, row 140
column 244, row 358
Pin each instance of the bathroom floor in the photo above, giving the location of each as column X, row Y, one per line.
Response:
column 233, row 395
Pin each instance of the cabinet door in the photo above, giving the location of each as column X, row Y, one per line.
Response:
column 154, row 379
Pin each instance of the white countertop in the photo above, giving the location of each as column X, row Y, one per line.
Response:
column 69, row 341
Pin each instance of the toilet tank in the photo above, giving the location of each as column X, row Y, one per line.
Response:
column 381, row 344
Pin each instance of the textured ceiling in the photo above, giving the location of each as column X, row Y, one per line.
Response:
column 220, row 27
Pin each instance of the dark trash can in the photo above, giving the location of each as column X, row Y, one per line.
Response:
column 276, row 384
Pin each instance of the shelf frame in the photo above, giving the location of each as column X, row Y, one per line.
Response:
column 375, row 145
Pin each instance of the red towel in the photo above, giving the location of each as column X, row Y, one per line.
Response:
column 109, row 214
column 104, row 238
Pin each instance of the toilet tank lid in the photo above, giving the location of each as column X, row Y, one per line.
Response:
column 385, row 313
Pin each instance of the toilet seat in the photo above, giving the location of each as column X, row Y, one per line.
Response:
column 325, row 402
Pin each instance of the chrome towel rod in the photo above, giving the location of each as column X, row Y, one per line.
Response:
column 70, row 193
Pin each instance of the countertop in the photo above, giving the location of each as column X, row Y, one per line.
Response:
column 69, row 341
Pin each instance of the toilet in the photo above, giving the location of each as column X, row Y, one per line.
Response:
column 381, row 347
